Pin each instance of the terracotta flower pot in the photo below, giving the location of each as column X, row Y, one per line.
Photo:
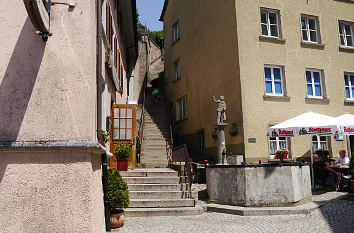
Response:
column 122, row 164
column 117, row 220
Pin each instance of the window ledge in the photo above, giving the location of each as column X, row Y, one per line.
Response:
column 175, row 42
column 348, row 102
column 272, row 39
column 175, row 80
column 312, row 45
column 180, row 121
column 276, row 98
column 309, row 100
column 346, row 49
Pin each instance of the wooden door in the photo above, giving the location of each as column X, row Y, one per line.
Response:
column 123, row 130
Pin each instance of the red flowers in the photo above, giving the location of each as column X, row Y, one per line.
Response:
column 282, row 154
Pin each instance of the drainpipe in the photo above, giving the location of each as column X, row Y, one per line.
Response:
column 99, row 113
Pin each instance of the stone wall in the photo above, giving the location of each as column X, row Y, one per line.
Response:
column 258, row 186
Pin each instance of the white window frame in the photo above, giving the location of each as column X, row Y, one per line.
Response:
column 181, row 108
column 313, row 84
column 308, row 30
column 272, row 78
column 350, row 86
column 175, row 32
column 177, row 69
column 318, row 140
column 277, row 140
column 343, row 33
column 267, row 11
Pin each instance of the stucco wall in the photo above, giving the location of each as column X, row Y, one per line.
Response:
column 48, row 90
column 51, row 192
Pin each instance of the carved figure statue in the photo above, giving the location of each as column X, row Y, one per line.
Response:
column 221, row 110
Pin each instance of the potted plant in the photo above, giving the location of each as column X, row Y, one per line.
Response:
column 122, row 152
column 118, row 197
column 281, row 154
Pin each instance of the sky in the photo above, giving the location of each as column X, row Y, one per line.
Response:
column 150, row 12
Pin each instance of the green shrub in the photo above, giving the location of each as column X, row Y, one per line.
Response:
column 117, row 191
column 122, row 150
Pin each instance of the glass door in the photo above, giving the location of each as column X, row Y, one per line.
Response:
column 124, row 130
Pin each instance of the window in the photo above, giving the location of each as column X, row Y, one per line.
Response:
column 349, row 85
column 175, row 32
column 319, row 142
column 177, row 68
column 314, row 83
column 123, row 123
column 273, row 80
column 270, row 23
column 346, row 34
column 277, row 143
column 181, row 109
column 309, row 27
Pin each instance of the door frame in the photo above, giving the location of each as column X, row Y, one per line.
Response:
column 132, row 141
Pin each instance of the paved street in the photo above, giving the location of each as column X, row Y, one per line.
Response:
column 337, row 216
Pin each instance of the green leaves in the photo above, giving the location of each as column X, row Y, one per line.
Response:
column 117, row 190
column 122, row 150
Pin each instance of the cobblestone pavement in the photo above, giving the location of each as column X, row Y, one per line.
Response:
column 336, row 216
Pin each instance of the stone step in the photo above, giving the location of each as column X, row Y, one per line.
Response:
column 158, row 187
column 151, row 173
column 157, row 194
column 154, row 138
column 152, row 180
column 150, row 212
column 152, row 144
column 161, row 203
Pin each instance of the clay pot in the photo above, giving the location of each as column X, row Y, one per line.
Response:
column 117, row 220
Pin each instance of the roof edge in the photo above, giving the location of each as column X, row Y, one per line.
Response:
column 163, row 11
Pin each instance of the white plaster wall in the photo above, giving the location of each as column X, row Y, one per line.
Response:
column 50, row 192
column 48, row 90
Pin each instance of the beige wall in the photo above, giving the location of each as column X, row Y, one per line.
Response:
column 221, row 53
column 258, row 112
column 206, row 39
column 45, row 192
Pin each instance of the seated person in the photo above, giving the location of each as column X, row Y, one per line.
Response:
column 331, row 176
column 342, row 159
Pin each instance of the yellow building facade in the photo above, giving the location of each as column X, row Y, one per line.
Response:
column 272, row 60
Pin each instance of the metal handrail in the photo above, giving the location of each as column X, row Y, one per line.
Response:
column 169, row 148
column 141, row 127
column 184, row 158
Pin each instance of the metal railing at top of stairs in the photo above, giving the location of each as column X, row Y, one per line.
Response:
column 180, row 154
column 141, row 127
column 169, row 143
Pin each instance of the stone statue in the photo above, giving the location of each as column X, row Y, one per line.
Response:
column 221, row 110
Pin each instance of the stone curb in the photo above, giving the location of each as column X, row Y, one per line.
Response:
column 262, row 211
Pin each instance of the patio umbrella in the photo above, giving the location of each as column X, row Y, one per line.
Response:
column 347, row 122
column 308, row 123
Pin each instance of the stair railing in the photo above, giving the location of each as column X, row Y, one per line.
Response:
column 180, row 154
column 169, row 143
column 141, row 127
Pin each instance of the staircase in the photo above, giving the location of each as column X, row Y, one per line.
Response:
column 156, row 136
column 158, row 192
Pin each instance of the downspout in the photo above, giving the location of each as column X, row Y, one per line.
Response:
column 99, row 114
